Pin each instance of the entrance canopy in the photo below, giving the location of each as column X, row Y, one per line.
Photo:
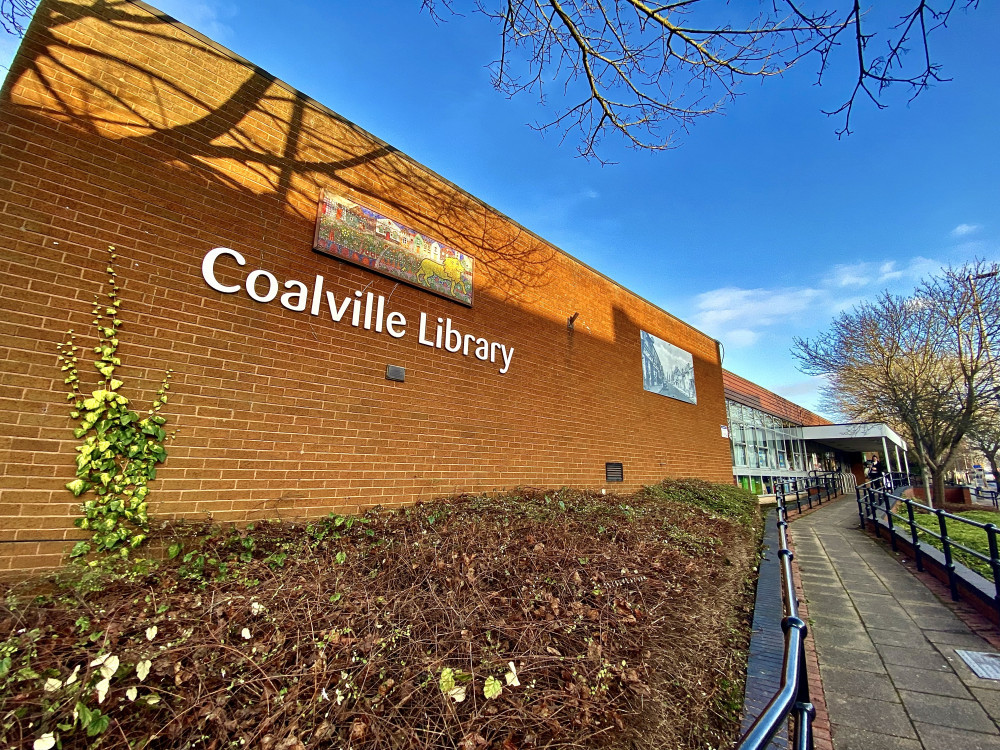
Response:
column 863, row 437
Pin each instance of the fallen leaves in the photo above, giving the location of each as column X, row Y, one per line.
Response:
column 508, row 623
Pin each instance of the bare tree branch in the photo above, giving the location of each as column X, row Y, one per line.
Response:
column 645, row 71
column 923, row 364
column 15, row 15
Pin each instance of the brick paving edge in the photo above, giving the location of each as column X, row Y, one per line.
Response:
column 822, row 731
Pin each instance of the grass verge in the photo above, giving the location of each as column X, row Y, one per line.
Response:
column 968, row 536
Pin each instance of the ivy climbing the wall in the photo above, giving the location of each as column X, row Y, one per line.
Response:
column 119, row 449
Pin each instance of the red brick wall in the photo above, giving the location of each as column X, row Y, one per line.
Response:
column 122, row 129
column 743, row 391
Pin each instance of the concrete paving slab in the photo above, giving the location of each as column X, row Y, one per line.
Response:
column 927, row 681
column 919, row 656
column 943, row 624
column 870, row 588
column 888, row 718
column 866, row 661
column 989, row 700
column 965, row 674
column 945, row 711
column 966, row 640
column 890, row 619
column 842, row 639
column 845, row 623
column 851, row 738
column 832, row 603
column 844, row 680
column 907, row 596
column 935, row 737
column 894, row 637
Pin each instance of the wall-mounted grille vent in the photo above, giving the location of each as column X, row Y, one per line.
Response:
column 614, row 472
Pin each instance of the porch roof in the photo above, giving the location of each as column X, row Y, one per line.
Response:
column 855, row 437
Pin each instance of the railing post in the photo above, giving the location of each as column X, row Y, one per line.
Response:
column 861, row 507
column 804, row 714
column 917, row 555
column 952, row 582
column 888, row 520
column 991, row 532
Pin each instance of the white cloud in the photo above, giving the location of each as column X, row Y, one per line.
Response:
column 963, row 230
column 739, row 338
column 734, row 315
column 759, row 306
column 879, row 274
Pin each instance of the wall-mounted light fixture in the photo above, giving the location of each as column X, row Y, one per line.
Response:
column 572, row 320
column 395, row 372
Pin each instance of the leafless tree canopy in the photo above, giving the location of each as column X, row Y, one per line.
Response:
column 924, row 364
column 985, row 436
column 646, row 70
column 15, row 14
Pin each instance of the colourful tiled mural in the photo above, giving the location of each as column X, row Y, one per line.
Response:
column 347, row 230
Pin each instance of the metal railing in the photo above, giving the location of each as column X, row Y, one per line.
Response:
column 878, row 505
column 792, row 698
column 984, row 495
column 812, row 489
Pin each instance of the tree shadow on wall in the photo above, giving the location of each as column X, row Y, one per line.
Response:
column 119, row 72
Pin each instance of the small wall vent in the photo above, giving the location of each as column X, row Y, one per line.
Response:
column 614, row 472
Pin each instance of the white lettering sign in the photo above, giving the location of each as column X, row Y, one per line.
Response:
column 360, row 310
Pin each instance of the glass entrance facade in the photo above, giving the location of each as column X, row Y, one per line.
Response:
column 766, row 449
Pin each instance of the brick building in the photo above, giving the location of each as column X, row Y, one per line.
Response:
column 776, row 442
column 519, row 364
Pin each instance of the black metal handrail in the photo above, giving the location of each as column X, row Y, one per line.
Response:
column 814, row 488
column 877, row 504
column 985, row 494
column 792, row 698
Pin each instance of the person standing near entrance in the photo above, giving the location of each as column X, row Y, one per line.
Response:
column 875, row 470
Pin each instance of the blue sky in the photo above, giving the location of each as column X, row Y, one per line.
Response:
column 760, row 226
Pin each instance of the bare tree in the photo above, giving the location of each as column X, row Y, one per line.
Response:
column 15, row 14
column 922, row 364
column 644, row 70
column 985, row 438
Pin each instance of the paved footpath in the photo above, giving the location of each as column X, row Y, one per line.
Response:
column 886, row 645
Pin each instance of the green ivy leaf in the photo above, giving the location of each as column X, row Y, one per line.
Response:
column 77, row 487
column 80, row 548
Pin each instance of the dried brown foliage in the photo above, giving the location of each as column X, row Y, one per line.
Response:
column 623, row 618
